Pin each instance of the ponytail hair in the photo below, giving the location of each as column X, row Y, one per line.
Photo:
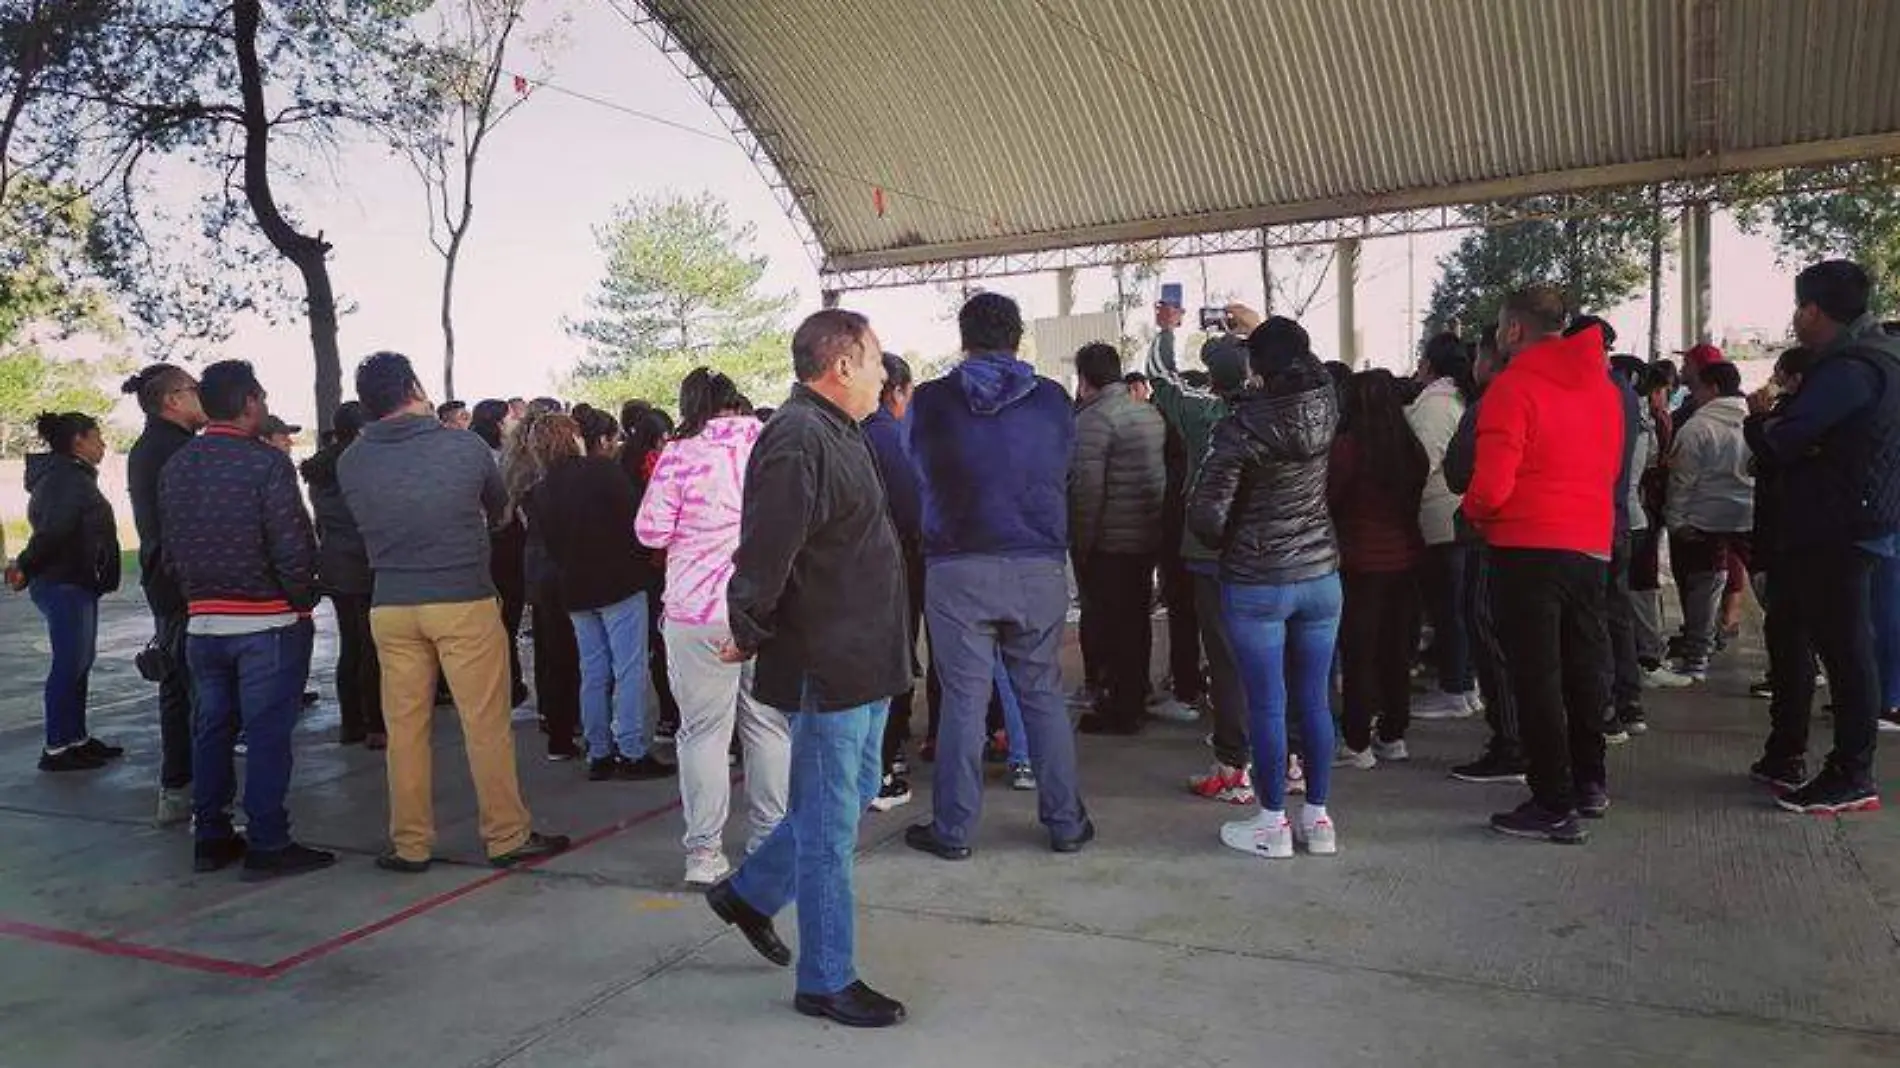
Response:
column 62, row 430
column 704, row 395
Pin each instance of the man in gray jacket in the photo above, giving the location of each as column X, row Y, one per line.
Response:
column 1710, row 508
column 1117, row 486
column 424, row 497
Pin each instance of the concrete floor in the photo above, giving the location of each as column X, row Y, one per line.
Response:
column 1699, row 926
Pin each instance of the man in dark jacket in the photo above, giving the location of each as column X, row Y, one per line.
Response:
column 1118, row 484
column 992, row 441
column 424, row 497
column 241, row 547
column 169, row 398
column 343, row 575
column 1193, row 413
column 817, row 594
column 1837, row 446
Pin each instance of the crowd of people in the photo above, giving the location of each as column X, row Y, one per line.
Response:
column 1495, row 522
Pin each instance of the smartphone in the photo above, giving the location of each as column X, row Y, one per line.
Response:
column 1216, row 320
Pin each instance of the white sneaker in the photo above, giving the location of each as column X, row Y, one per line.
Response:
column 1319, row 837
column 1362, row 759
column 1392, row 752
column 894, row 794
column 1663, row 678
column 704, row 867
column 1263, row 836
column 1295, row 774
column 1163, row 706
column 1474, row 701
column 1441, row 705
column 174, row 807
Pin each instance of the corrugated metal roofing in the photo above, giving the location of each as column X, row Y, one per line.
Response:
column 1001, row 126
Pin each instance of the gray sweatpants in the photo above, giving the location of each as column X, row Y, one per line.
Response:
column 714, row 696
column 978, row 607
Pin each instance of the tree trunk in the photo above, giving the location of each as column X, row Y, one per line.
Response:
column 448, row 314
column 1655, row 273
column 310, row 255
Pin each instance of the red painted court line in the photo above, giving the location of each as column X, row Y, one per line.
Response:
column 242, row 970
column 129, row 951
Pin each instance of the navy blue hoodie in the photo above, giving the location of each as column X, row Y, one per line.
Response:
column 992, row 443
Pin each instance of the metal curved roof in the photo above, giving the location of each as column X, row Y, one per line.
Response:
column 918, row 131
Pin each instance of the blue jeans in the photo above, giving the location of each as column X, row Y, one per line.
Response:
column 613, row 648
column 72, row 625
column 1283, row 637
column 1886, row 612
column 258, row 678
column 1012, row 716
column 837, row 768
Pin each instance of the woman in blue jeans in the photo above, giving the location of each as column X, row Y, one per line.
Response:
column 70, row 562
column 1261, row 498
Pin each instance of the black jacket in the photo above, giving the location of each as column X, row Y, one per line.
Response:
column 818, row 587
column 160, row 440
column 583, row 513
column 75, row 539
column 1260, row 496
column 342, row 559
column 237, row 536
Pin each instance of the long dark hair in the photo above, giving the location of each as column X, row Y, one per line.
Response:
column 705, row 394
column 1448, row 357
column 599, row 431
column 1375, row 417
column 487, row 419
column 644, row 429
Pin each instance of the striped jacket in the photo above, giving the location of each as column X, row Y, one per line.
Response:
column 237, row 537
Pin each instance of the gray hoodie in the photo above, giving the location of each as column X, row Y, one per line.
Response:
column 424, row 497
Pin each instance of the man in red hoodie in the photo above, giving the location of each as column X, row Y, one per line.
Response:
column 1550, row 444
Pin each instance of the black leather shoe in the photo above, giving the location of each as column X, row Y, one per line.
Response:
column 856, row 1005
column 1074, row 845
column 293, row 859
column 755, row 925
column 392, row 862
column 923, row 838
column 538, row 847
column 217, row 854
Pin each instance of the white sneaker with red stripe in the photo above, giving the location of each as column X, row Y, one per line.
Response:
column 1267, row 835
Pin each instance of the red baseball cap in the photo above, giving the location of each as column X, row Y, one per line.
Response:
column 1699, row 356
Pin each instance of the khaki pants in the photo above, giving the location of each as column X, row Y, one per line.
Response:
column 468, row 642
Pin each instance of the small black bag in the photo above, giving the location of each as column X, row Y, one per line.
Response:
column 153, row 664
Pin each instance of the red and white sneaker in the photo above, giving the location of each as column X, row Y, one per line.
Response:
column 1229, row 786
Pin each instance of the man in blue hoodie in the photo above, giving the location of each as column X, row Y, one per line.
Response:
column 992, row 443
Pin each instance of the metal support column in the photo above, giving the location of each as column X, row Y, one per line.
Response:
column 1266, row 271
column 1347, row 260
column 1695, row 274
column 830, row 297
column 1065, row 291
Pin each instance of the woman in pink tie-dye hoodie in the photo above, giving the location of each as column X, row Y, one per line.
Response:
column 691, row 513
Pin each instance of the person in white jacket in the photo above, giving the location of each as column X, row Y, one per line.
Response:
column 1710, row 508
column 1434, row 417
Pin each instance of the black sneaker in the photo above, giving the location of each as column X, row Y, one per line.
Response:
column 1614, row 733
column 645, row 769
column 1532, row 820
column 923, row 838
column 601, row 769
column 1593, row 801
column 1634, row 721
column 1097, row 723
column 100, row 749
column 71, row 758
column 1075, row 844
column 894, row 793
column 293, row 859
column 1491, row 767
column 1889, row 720
column 538, row 847
column 1765, row 690
column 1783, row 775
column 216, row 854
column 1831, row 793
column 392, row 862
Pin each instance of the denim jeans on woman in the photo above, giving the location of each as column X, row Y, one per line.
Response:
column 837, row 769
column 72, row 625
column 1283, row 636
column 613, row 648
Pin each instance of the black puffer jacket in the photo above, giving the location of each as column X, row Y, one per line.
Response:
column 75, row 538
column 1260, row 495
